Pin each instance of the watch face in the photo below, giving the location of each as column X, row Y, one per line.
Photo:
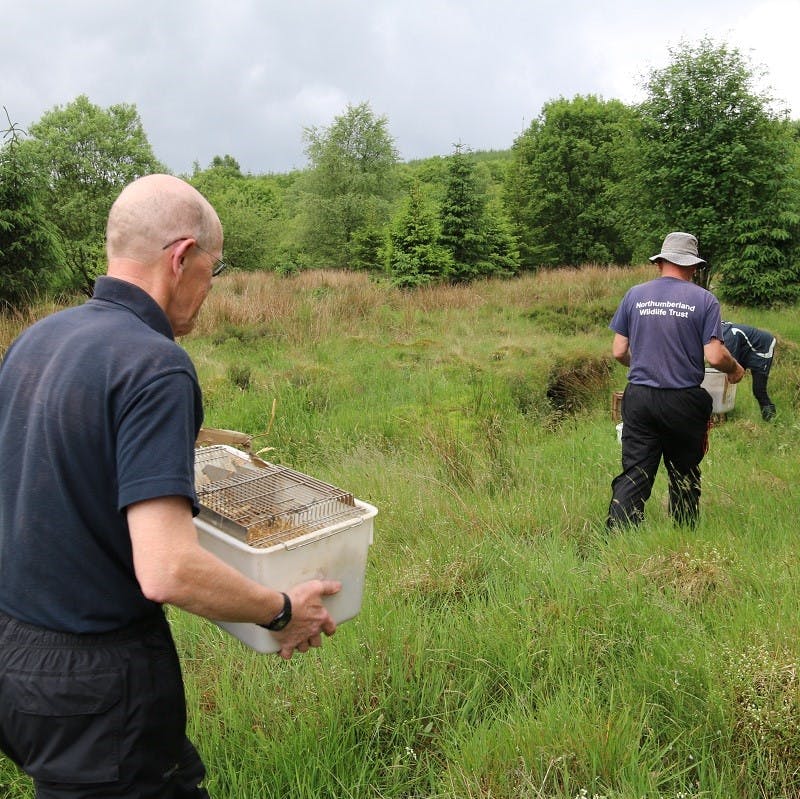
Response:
column 279, row 623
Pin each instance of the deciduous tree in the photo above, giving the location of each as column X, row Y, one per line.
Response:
column 86, row 155
column 717, row 157
column 563, row 185
column 248, row 208
column 348, row 189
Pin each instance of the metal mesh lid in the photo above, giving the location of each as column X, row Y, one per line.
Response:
column 263, row 504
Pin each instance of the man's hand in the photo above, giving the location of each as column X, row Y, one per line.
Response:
column 720, row 358
column 310, row 618
column 736, row 375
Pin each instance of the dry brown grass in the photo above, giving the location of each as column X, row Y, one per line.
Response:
column 12, row 324
column 450, row 582
column 318, row 299
column 321, row 298
column 261, row 296
column 693, row 576
column 568, row 287
column 314, row 300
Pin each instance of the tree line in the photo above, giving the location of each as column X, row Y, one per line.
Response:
column 589, row 181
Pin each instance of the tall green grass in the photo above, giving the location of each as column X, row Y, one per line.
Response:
column 507, row 645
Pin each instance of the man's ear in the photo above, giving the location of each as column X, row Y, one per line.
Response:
column 178, row 256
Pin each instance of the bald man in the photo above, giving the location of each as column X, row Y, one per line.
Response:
column 99, row 412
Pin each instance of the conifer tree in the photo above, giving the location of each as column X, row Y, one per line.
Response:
column 462, row 217
column 479, row 240
column 28, row 245
column 415, row 257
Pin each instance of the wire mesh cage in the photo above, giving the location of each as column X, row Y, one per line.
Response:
column 263, row 504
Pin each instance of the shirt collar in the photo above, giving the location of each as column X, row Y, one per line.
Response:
column 136, row 300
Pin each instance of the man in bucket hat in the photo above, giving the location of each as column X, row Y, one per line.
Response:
column 664, row 331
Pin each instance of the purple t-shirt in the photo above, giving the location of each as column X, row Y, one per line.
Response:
column 667, row 322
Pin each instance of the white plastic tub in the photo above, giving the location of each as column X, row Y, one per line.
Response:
column 326, row 546
column 723, row 392
column 337, row 553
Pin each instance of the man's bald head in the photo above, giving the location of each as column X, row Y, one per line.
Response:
column 155, row 210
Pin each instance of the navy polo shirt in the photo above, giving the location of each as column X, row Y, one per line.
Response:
column 99, row 409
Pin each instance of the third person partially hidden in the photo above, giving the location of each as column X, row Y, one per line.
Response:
column 755, row 350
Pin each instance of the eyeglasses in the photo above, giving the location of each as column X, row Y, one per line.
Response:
column 219, row 265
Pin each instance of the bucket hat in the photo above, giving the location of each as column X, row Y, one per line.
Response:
column 680, row 249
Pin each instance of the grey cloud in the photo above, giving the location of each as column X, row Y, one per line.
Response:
column 246, row 76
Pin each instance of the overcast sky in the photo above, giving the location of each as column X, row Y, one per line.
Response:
column 245, row 77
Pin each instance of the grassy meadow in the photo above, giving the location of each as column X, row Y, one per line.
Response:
column 507, row 645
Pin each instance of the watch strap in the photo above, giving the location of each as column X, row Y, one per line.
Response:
column 283, row 618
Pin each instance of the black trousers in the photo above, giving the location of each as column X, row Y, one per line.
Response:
column 668, row 423
column 97, row 716
column 760, row 389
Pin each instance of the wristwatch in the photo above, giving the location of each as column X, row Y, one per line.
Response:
column 283, row 618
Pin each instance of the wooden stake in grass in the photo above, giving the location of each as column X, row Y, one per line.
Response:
column 269, row 428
